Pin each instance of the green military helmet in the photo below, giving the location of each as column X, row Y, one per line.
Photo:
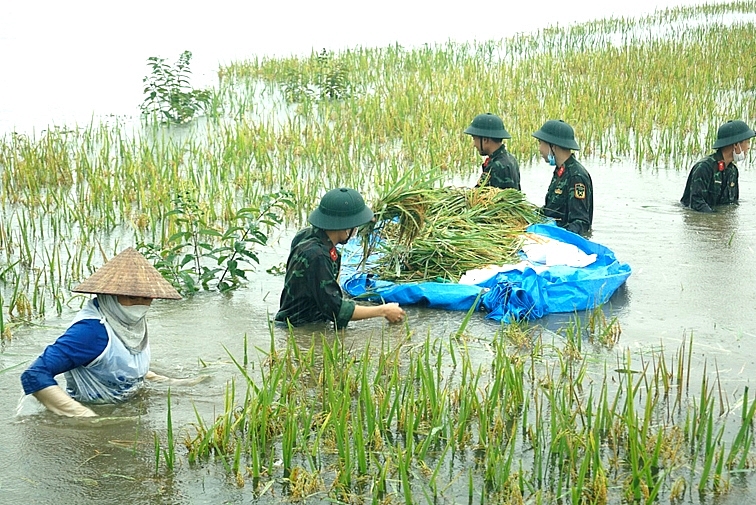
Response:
column 341, row 209
column 488, row 125
column 558, row 133
column 733, row 132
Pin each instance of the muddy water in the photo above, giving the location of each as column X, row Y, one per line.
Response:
column 692, row 274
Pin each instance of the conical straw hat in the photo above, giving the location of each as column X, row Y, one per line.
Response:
column 129, row 274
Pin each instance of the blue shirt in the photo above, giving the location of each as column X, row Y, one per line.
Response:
column 82, row 342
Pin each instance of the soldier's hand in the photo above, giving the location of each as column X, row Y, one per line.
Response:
column 393, row 312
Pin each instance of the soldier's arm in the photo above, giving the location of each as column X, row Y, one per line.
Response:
column 699, row 187
column 326, row 292
column 735, row 192
column 391, row 311
column 579, row 206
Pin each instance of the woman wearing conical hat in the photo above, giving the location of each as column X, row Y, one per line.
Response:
column 105, row 353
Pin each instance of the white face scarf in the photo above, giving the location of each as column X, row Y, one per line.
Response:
column 128, row 322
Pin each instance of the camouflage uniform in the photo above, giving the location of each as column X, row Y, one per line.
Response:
column 570, row 197
column 311, row 290
column 500, row 170
column 711, row 183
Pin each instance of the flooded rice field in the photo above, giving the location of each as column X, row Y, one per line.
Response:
column 448, row 407
column 692, row 276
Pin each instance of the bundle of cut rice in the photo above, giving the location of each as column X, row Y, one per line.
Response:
column 432, row 233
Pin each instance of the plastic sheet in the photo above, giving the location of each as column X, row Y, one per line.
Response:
column 525, row 291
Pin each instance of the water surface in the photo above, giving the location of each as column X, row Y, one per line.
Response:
column 692, row 274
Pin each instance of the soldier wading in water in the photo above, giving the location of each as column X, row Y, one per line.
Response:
column 311, row 290
column 500, row 169
column 569, row 199
column 713, row 180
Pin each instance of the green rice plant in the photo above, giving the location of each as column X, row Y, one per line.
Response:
column 326, row 78
column 169, row 453
column 710, row 452
column 289, row 440
column 360, row 446
column 603, row 332
column 367, row 401
column 741, row 444
column 576, row 445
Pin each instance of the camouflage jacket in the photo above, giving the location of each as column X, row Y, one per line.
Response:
column 500, row 170
column 311, row 291
column 711, row 183
column 570, row 197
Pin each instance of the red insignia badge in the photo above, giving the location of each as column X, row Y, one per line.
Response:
column 486, row 162
column 560, row 172
column 334, row 254
column 721, row 166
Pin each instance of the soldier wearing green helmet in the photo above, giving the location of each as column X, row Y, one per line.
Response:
column 311, row 290
column 713, row 180
column 569, row 199
column 500, row 168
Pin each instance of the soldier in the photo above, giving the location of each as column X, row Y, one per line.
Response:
column 311, row 290
column 714, row 179
column 569, row 199
column 500, row 168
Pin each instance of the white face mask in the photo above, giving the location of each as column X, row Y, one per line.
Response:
column 738, row 157
column 134, row 312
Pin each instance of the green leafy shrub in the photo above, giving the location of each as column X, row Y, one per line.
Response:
column 199, row 255
column 168, row 93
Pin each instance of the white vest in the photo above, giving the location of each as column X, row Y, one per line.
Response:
column 113, row 376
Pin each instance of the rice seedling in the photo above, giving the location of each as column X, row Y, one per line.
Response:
column 579, row 445
column 169, row 453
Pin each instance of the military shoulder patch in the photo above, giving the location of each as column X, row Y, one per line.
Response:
column 580, row 191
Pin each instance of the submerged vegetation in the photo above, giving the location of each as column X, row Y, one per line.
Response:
column 422, row 422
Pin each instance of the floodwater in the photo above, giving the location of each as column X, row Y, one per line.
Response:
column 692, row 273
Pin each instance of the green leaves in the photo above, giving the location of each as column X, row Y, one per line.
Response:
column 325, row 78
column 199, row 255
column 168, row 94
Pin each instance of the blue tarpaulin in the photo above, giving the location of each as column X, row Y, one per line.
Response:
column 528, row 292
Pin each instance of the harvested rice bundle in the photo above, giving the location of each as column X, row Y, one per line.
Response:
column 430, row 233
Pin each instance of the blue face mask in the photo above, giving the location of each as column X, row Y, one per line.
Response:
column 552, row 160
